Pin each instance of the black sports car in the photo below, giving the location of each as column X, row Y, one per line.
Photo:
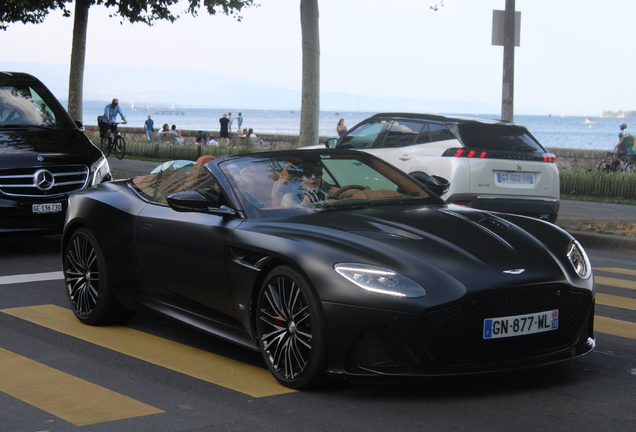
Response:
column 329, row 261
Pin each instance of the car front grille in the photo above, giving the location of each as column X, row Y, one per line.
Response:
column 47, row 181
column 454, row 335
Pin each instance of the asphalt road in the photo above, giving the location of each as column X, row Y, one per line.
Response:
column 155, row 375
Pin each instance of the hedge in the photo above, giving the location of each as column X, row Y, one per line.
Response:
column 592, row 183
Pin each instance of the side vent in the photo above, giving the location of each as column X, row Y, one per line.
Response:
column 249, row 258
column 494, row 224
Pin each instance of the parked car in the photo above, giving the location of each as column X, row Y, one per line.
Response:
column 491, row 165
column 44, row 156
column 329, row 262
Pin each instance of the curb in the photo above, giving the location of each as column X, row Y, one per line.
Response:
column 608, row 242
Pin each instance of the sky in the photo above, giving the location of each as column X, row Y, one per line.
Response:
column 573, row 59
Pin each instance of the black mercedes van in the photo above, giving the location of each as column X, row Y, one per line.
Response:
column 44, row 157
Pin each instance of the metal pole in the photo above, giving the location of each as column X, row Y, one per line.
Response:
column 507, row 97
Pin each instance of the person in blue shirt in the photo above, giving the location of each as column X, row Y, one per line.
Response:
column 111, row 111
column 149, row 124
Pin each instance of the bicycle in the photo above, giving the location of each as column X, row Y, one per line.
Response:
column 116, row 143
column 613, row 165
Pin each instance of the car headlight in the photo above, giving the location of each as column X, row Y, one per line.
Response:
column 579, row 260
column 380, row 280
column 100, row 170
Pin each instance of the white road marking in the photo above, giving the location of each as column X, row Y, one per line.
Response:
column 35, row 277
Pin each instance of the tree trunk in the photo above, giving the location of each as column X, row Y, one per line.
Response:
column 310, row 104
column 78, row 59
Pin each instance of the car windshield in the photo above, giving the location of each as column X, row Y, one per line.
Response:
column 309, row 181
column 29, row 105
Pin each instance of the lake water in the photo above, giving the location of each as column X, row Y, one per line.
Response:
column 551, row 131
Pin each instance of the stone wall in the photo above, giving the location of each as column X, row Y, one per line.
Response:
column 567, row 159
column 578, row 159
column 270, row 141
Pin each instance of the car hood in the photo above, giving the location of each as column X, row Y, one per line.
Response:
column 477, row 248
column 36, row 147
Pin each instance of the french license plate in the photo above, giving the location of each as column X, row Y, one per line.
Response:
column 47, row 208
column 495, row 328
column 514, row 177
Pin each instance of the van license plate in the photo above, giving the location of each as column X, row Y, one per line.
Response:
column 514, row 178
column 47, row 208
column 495, row 328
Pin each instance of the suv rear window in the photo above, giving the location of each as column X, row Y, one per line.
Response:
column 498, row 137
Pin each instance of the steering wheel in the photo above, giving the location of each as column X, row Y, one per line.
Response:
column 342, row 190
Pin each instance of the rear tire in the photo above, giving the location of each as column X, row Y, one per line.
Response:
column 605, row 166
column 119, row 146
column 86, row 276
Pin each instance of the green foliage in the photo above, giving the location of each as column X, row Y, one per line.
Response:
column 34, row 11
column 28, row 11
column 594, row 183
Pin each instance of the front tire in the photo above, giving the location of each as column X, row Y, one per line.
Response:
column 290, row 325
column 88, row 288
column 104, row 147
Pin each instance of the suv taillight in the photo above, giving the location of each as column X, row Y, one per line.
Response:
column 493, row 154
column 549, row 157
column 465, row 152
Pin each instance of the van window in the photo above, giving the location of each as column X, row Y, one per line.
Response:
column 23, row 105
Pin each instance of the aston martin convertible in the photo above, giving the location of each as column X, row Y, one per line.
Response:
column 330, row 263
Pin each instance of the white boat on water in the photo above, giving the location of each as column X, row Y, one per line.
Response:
column 589, row 120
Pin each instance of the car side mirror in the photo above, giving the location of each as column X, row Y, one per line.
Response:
column 194, row 201
column 438, row 185
column 331, row 143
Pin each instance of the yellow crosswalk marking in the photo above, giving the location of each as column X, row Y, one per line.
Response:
column 616, row 270
column 618, row 283
column 251, row 380
column 70, row 398
column 616, row 301
column 615, row 327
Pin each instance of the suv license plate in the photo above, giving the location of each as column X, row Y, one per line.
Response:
column 495, row 328
column 514, row 177
column 47, row 208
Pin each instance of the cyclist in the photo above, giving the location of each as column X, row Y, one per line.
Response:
column 625, row 144
column 107, row 124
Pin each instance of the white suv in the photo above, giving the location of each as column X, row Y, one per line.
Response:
column 491, row 165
